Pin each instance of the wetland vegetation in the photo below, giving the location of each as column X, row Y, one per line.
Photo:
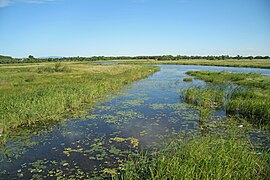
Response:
column 201, row 157
column 135, row 89
column 223, row 150
column 187, row 79
column 248, row 96
column 254, row 63
column 168, row 125
column 46, row 92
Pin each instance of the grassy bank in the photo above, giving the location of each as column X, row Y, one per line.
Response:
column 211, row 157
column 46, row 92
column 250, row 80
column 256, row 63
column 250, row 99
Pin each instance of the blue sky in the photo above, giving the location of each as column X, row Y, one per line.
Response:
column 134, row 27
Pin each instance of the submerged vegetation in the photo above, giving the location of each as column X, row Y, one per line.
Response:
column 43, row 93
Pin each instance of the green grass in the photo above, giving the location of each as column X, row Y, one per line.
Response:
column 47, row 92
column 223, row 153
column 209, row 97
column 58, row 67
column 211, row 157
column 187, row 79
column 250, row 80
column 256, row 63
column 251, row 99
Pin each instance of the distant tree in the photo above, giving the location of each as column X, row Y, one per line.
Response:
column 210, row 58
column 258, row 57
column 238, row 57
column 6, row 59
column 31, row 57
column 224, row 57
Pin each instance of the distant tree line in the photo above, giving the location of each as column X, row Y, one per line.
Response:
column 32, row 59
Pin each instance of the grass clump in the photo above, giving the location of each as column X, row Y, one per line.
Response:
column 29, row 98
column 58, row 67
column 187, row 79
column 249, row 99
column 210, row 157
column 209, row 97
column 206, row 99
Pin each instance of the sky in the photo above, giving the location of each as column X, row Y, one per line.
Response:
column 134, row 27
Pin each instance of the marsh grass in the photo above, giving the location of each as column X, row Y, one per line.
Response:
column 212, row 157
column 249, row 99
column 205, row 99
column 251, row 80
column 187, row 79
column 209, row 97
column 58, row 67
column 29, row 97
column 225, row 153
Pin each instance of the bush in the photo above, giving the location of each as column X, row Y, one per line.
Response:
column 58, row 67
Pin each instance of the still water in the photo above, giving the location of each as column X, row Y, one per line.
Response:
column 140, row 117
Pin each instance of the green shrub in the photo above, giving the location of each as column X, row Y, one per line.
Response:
column 58, row 67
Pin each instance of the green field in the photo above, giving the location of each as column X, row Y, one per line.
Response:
column 42, row 93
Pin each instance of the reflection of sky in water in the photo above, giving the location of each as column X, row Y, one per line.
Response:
column 148, row 110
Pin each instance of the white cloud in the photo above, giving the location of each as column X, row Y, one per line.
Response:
column 4, row 3
column 37, row 1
